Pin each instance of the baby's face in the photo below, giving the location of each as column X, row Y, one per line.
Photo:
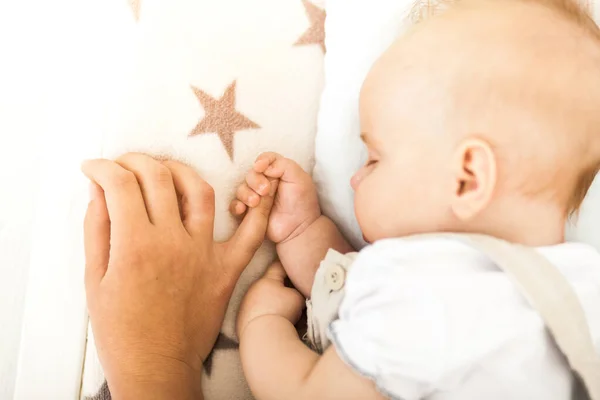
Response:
column 400, row 190
column 405, row 186
column 468, row 108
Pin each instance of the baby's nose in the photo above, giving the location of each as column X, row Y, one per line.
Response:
column 355, row 180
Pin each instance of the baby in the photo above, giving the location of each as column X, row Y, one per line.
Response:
column 485, row 120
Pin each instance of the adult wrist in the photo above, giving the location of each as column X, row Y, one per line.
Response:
column 164, row 379
column 175, row 389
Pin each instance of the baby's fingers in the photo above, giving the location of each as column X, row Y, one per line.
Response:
column 237, row 208
column 274, row 165
column 265, row 160
column 271, row 162
column 247, row 196
column 258, row 182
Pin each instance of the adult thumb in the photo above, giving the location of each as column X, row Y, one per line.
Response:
column 96, row 229
column 251, row 232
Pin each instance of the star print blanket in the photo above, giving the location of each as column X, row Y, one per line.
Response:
column 213, row 84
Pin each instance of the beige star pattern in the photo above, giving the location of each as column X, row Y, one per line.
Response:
column 316, row 33
column 221, row 117
column 135, row 8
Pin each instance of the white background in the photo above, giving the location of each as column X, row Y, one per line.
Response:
column 53, row 72
column 52, row 63
column 21, row 116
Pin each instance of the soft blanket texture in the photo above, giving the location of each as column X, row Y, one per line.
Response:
column 350, row 54
column 214, row 84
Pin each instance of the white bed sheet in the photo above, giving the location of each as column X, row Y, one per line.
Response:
column 18, row 180
column 51, row 97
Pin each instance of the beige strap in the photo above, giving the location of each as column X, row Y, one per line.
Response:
column 552, row 297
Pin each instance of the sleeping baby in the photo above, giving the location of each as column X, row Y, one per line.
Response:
column 482, row 120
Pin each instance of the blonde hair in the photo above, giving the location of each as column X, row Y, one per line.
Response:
column 576, row 12
column 579, row 14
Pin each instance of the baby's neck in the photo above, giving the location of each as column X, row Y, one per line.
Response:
column 527, row 222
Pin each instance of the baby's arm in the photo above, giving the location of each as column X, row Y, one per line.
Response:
column 277, row 365
column 302, row 234
column 290, row 370
column 303, row 253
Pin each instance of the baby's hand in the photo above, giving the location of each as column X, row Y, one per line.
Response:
column 270, row 296
column 296, row 204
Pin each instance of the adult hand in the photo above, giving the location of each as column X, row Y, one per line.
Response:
column 157, row 284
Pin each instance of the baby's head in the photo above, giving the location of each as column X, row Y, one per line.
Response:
column 483, row 119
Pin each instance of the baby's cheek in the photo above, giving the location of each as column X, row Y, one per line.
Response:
column 365, row 207
column 376, row 206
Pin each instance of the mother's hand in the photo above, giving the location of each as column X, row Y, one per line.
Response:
column 157, row 284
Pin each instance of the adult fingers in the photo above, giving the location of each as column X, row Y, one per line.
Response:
column 124, row 199
column 198, row 199
column 250, row 234
column 157, row 187
column 237, row 208
column 96, row 229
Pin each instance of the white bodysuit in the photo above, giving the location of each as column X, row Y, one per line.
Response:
column 434, row 318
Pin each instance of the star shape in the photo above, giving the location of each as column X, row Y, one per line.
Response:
column 316, row 32
column 135, row 7
column 221, row 117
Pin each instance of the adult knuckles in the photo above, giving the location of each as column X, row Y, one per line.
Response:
column 122, row 179
column 206, row 192
column 161, row 174
column 158, row 248
column 146, row 167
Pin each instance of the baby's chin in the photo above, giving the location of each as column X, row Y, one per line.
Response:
column 373, row 235
column 371, row 232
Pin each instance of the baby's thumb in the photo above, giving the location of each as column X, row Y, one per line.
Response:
column 96, row 237
column 251, row 232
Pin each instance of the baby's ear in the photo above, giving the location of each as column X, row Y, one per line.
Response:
column 475, row 177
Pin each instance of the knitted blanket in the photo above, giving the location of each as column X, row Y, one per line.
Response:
column 214, row 84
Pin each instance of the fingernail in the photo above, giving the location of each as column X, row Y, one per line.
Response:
column 263, row 187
